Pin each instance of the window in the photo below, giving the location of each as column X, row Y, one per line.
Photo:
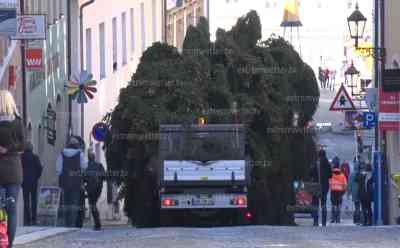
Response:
column 189, row 20
column 132, row 30
column 88, row 66
column 123, row 24
column 180, row 34
column 115, row 43
column 102, row 38
column 154, row 10
column 143, row 26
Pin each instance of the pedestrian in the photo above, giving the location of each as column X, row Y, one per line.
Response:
column 336, row 161
column 326, row 77
column 353, row 189
column 321, row 76
column 366, row 194
column 32, row 170
column 69, row 166
column 345, row 168
column 321, row 173
column 338, row 185
column 12, row 140
column 94, row 178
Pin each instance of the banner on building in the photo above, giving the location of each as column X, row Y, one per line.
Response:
column 31, row 27
column 34, row 58
column 8, row 17
column 389, row 108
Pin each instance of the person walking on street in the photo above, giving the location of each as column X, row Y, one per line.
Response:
column 336, row 161
column 69, row 166
column 321, row 173
column 32, row 170
column 345, row 168
column 12, row 140
column 353, row 190
column 321, row 76
column 338, row 185
column 366, row 194
column 94, row 178
column 326, row 77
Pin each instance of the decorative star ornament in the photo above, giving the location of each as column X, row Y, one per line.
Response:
column 82, row 87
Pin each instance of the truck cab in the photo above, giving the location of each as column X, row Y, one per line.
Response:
column 203, row 173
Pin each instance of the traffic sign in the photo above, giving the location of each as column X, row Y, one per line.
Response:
column 342, row 101
column 369, row 120
column 99, row 131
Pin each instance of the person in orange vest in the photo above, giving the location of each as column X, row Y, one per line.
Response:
column 338, row 186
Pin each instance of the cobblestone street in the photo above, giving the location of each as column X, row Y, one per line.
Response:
column 228, row 237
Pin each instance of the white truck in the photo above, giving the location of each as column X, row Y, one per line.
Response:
column 203, row 174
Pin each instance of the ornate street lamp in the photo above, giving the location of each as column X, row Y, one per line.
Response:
column 356, row 22
column 352, row 72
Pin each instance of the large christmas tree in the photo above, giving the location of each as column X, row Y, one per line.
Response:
column 264, row 82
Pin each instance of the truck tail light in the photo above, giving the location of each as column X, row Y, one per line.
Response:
column 239, row 201
column 169, row 202
column 248, row 215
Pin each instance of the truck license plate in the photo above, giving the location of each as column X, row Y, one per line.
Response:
column 203, row 200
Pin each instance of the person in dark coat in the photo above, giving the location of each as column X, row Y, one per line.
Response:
column 94, row 178
column 32, row 170
column 69, row 166
column 321, row 173
column 366, row 193
column 12, row 141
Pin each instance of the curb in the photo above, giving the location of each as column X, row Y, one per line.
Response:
column 42, row 234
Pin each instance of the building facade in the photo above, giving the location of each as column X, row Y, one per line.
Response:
column 46, row 74
column 391, row 139
column 114, row 39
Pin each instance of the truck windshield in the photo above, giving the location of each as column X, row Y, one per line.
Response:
column 203, row 145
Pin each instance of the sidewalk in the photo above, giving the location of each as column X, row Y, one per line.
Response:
column 29, row 234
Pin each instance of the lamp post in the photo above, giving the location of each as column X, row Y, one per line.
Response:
column 356, row 22
column 352, row 72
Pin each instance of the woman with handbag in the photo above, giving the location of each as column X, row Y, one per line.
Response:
column 11, row 145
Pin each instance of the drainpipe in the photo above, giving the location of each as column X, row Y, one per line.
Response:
column 24, row 97
column 86, row 4
column 69, row 67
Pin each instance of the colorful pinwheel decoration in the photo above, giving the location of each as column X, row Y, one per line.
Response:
column 81, row 87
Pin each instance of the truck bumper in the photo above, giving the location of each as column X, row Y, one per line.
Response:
column 203, row 201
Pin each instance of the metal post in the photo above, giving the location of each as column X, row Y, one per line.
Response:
column 24, row 98
column 378, row 16
column 81, row 61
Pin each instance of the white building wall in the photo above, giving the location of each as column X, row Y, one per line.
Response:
column 102, row 11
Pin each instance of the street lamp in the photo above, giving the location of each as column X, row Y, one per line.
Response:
column 352, row 72
column 356, row 22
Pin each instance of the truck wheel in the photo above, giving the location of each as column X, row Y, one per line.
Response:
column 166, row 218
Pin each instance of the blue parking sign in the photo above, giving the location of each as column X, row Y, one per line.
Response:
column 369, row 120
